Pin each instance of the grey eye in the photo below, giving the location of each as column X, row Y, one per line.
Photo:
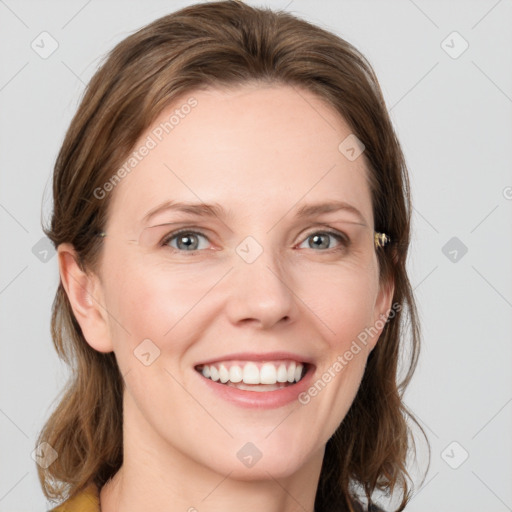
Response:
column 320, row 240
column 185, row 241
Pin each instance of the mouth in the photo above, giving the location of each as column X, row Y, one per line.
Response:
column 257, row 376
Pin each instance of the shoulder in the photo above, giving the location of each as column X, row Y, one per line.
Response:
column 86, row 500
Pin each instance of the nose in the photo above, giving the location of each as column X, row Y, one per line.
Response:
column 261, row 291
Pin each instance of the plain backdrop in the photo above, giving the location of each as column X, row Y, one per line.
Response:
column 445, row 70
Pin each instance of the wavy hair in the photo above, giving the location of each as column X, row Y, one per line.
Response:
column 226, row 44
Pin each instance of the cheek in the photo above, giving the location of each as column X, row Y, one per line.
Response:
column 346, row 311
column 343, row 301
column 148, row 300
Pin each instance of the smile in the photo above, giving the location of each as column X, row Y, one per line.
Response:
column 257, row 380
column 254, row 376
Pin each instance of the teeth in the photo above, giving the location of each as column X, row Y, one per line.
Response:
column 251, row 374
column 266, row 374
column 214, row 373
column 235, row 374
column 298, row 372
column 291, row 372
column 223, row 374
column 260, row 388
column 282, row 373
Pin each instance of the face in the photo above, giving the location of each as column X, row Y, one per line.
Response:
column 258, row 286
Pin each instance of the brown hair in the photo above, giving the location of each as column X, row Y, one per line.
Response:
column 226, row 44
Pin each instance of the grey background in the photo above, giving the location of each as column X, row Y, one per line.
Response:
column 453, row 118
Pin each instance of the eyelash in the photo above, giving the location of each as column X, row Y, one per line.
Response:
column 343, row 239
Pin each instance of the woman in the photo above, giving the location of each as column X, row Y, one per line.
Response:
column 232, row 217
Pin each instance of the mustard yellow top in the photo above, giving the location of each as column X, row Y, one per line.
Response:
column 88, row 500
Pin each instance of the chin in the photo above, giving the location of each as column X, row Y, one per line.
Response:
column 264, row 470
column 253, row 462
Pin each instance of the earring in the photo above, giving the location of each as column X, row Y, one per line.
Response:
column 381, row 239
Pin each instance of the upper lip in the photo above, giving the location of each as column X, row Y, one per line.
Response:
column 253, row 356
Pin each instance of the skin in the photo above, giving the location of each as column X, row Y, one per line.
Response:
column 261, row 152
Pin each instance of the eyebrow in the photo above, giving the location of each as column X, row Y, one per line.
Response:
column 309, row 210
column 216, row 210
column 199, row 209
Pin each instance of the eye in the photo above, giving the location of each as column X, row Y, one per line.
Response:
column 186, row 240
column 320, row 240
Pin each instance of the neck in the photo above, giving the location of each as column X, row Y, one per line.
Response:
column 155, row 475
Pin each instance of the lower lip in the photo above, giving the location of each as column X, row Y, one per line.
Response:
column 260, row 399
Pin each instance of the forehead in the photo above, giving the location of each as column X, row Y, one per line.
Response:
column 257, row 150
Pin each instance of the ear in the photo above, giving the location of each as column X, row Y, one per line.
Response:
column 382, row 309
column 85, row 295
